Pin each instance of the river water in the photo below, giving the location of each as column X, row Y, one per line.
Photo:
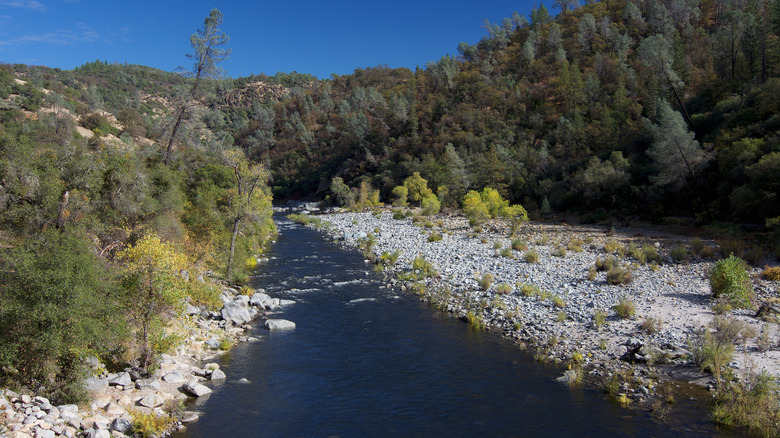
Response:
column 369, row 361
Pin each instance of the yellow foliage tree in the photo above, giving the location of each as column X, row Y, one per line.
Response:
column 417, row 188
column 152, row 284
column 248, row 203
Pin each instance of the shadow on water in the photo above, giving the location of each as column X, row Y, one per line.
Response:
column 365, row 360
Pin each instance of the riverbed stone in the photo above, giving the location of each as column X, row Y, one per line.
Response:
column 279, row 324
column 218, row 375
column 195, row 389
column 259, row 298
column 236, row 312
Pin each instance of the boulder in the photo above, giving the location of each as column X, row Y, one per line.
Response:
column 123, row 379
column 191, row 310
column 173, row 377
column 236, row 312
column 218, row 374
column 95, row 384
column 151, row 384
column 195, row 389
column 258, row 299
column 120, row 425
column 150, row 401
column 568, row 377
column 286, row 302
column 279, row 324
column 213, row 343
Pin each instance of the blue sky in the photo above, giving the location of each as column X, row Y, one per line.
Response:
column 317, row 37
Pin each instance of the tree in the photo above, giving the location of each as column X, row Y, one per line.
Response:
column 57, row 301
column 656, row 53
column 675, row 151
column 208, row 52
column 417, row 187
column 246, row 200
column 153, row 286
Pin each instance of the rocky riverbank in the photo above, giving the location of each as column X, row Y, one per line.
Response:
column 119, row 399
column 557, row 302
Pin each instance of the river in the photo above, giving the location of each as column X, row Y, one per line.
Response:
column 366, row 360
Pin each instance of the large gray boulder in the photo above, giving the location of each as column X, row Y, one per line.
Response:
column 120, row 425
column 259, row 298
column 218, row 374
column 279, row 324
column 123, row 379
column 195, row 389
column 236, row 312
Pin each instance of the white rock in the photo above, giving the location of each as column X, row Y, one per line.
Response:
column 196, row 389
column 279, row 324
column 218, row 375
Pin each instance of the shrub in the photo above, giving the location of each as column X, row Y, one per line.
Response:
column 430, row 205
column 531, row 257
column 575, row 245
column 503, row 289
column 651, row 254
column 400, row 194
column 730, row 247
column 651, row 325
column 434, row 237
column 611, row 246
column 701, row 249
column 624, row 308
column 559, row 251
column 721, row 306
column 771, row 274
column 485, row 281
column 558, row 302
column 519, row 245
column 529, row 290
column 475, row 321
column 389, row 258
column 619, row 276
column 753, row 404
column 591, row 273
column 606, row 264
column 730, row 278
column 506, row 252
column 679, row 253
column 399, row 215
column 599, row 318
column 636, row 253
column 754, row 255
column 423, row 268
column 561, row 316
column 149, row 424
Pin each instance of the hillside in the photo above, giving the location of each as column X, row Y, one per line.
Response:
column 621, row 109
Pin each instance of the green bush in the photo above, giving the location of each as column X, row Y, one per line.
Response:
column 430, row 205
column 619, row 276
column 519, row 245
column 729, row 278
column 423, row 268
column 503, row 289
column 434, row 237
column 531, row 257
column 57, row 303
column 624, row 308
column 485, row 281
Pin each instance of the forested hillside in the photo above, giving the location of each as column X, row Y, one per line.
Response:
column 651, row 108
column 646, row 108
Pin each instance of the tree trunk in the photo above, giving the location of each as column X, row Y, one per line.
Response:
column 179, row 119
column 236, row 221
column 679, row 100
